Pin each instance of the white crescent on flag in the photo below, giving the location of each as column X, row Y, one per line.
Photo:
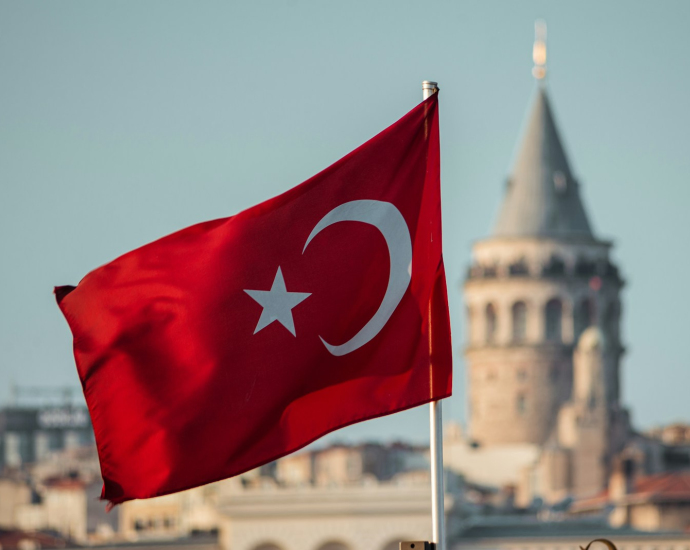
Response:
column 390, row 222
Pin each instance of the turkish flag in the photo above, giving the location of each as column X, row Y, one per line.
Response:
column 231, row 343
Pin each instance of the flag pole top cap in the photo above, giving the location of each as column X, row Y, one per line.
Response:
column 429, row 88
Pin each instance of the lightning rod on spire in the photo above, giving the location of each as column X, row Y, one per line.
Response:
column 539, row 50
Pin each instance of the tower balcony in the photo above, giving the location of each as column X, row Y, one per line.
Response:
column 555, row 268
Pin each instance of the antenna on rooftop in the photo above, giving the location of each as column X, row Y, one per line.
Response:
column 539, row 50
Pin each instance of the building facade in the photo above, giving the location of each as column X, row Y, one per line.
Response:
column 375, row 516
column 30, row 434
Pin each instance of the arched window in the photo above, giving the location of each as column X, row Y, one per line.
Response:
column 611, row 320
column 518, row 268
column 519, row 315
column 471, row 324
column 584, row 317
column 491, row 323
column 553, row 317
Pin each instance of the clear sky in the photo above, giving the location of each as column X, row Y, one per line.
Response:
column 123, row 121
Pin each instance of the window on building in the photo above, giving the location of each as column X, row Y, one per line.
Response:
column 491, row 323
column 55, row 440
column 354, row 466
column 553, row 320
column 519, row 315
column 553, row 373
column 521, row 403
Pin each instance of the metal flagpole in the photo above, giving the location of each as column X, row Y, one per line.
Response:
column 438, row 516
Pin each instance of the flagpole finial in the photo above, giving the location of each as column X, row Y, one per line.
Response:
column 539, row 50
column 429, row 88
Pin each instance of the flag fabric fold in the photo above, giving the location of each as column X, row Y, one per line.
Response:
column 231, row 343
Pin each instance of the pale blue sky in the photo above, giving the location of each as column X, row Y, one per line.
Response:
column 124, row 121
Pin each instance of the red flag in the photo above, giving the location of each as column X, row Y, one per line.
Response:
column 234, row 342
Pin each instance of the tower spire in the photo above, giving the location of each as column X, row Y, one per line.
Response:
column 542, row 197
column 539, row 51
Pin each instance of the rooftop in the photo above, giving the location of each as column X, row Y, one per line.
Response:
column 664, row 487
column 542, row 197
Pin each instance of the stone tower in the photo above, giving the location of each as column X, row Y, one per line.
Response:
column 533, row 287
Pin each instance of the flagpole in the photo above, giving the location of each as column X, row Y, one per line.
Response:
column 438, row 516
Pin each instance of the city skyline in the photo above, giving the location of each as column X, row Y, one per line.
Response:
column 112, row 138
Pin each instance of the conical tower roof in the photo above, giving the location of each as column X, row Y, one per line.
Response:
column 542, row 197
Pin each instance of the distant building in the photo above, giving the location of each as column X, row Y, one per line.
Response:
column 338, row 465
column 516, row 533
column 353, row 496
column 13, row 494
column 14, row 539
column 30, row 434
column 59, row 494
column 373, row 516
column 658, row 502
column 662, row 449
column 676, row 435
column 171, row 516
column 61, row 509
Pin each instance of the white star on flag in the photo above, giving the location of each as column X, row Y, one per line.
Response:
column 277, row 304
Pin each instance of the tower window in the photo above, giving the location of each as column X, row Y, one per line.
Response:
column 491, row 323
column 555, row 267
column 553, row 314
column 560, row 181
column 471, row 324
column 611, row 319
column 519, row 314
column 518, row 268
column 584, row 317
column 585, row 267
